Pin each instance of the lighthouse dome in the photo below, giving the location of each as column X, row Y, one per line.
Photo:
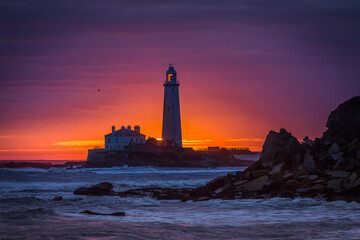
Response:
column 171, row 70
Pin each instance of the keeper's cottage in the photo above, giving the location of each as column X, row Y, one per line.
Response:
column 119, row 139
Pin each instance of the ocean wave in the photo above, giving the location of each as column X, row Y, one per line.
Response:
column 26, row 170
column 27, row 214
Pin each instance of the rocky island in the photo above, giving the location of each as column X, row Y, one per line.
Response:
column 327, row 167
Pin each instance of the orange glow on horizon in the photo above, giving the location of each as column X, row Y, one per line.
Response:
column 213, row 116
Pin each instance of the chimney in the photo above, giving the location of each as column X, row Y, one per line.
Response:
column 113, row 129
column 137, row 128
column 128, row 127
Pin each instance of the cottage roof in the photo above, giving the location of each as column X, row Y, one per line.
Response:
column 125, row 133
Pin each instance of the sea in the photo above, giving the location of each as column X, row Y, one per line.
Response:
column 28, row 212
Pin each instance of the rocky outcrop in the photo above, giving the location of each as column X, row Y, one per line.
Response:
column 104, row 188
column 343, row 123
column 280, row 147
column 328, row 166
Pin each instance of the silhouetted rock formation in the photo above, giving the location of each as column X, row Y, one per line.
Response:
column 328, row 166
column 343, row 123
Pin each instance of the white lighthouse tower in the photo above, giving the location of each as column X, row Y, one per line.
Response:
column 171, row 129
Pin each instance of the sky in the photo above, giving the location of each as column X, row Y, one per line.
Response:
column 245, row 68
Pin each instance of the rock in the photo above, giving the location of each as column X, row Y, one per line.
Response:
column 344, row 121
column 104, row 214
column 309, row 163
column 340, row 174
column 318, row 187
column 276, row 173
column 280, row 148
column 288, row 175
column 304, row 190
column 217, row 182
column 335, row 185
column 334, row 148
column 290, row 185
column 59, row 198
column 220, row 190
column 336, row 156
column 255, row 185
column 104, row 188
column 306, row 182
column 277, row 177
column 313, row 177
column 269, row 182
column 354, row 145
column 308, row 141
column 352, row 177
column 319, row 181
column 355, row 184
column 231, row 175
column 277, row 169
column 240, row 182
column 338, row 163
column 258, row 173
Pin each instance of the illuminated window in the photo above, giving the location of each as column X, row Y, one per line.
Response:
column 170, row 77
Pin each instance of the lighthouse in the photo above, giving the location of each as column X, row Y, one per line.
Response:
column 171, row 128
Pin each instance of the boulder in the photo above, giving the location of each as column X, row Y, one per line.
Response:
column 318, row 187
column 304, row 190
column 291, row 185
column 276, row 173
column 340, row 174
column 336, row 156
column 255, row 185
column 258, row 173
column 344, row 121
column 280, row 148
column 300, row 172
column 354, row 145
column 309, row 163
column 276, row 176
column 222, row 189
column 352, row 177
column 313, row 177
column 335, row 185
column 217, row 183
column 334, row 148
column 355, row 184
column 104, row 188
column 308, row 141
column 240, row 182
column 277, row 169
column 288, row 175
